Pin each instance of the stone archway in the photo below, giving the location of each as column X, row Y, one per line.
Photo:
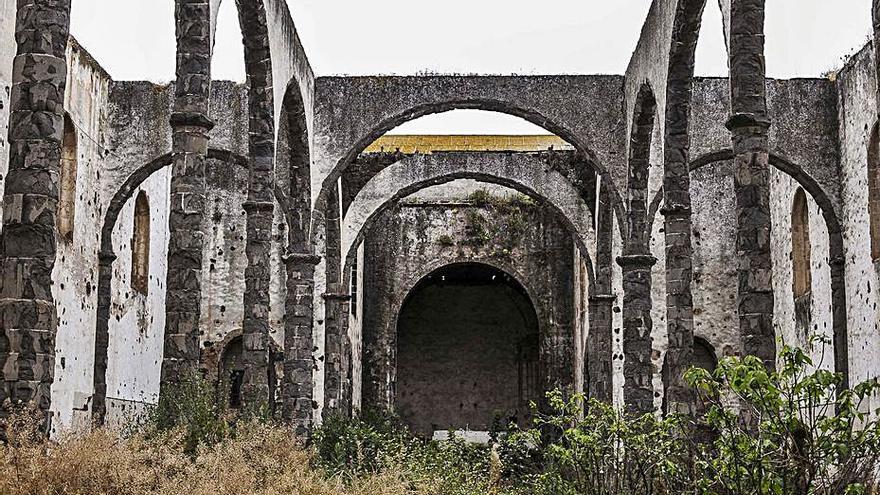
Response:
column 467, row 338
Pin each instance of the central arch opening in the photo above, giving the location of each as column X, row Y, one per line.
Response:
column 468, row 351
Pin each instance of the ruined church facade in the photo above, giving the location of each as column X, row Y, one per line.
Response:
column 271, row 238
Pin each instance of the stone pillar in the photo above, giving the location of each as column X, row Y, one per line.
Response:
column 36, row 124
column 838, row 308
column 678, row 396
column 600, row 350
column 259, row 206
column 190, row 126
column 299, row 363
column 102, row 335
column 638, row 371
column 748, row 124
column 600, row 354
column 255, row 326
column 337, row 381
column 336, row 307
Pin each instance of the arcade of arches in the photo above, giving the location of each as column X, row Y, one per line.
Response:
column 274, row 237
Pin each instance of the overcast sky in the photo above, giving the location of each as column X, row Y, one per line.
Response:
column 134, row 39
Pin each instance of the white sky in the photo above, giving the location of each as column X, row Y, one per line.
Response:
column 134, row 39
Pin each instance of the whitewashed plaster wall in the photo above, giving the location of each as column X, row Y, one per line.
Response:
column 782, row 191
column 857, row 88
column 137, row 321
column 75, row 273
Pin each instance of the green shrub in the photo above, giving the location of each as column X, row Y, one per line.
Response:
column 795, row 430
column 194, row 406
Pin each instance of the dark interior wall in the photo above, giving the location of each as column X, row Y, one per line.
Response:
column 409, row 241
column 467, row 352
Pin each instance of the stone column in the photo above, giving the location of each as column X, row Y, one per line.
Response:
column 102, row 335
column 600, row 351
column 255, row 326
column 299, row 363
column 678, row 396
column 260, row 203
column 36, row 124
column 638, row 371
column 336, row 307
column 336, row 362
column 748, row 124
column 190, row 126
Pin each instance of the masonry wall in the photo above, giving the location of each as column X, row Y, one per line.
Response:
column 7, row 53
column 75, row 273
column 856, row 84
column 137, row 321
column 818, row 321
column 411, row 239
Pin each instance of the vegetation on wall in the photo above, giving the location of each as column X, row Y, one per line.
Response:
column 791, row 431
column 498, row 222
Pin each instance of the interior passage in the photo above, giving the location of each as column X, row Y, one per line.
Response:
column 467, row 350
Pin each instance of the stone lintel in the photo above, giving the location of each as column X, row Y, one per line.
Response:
column 191, row 119
column 740, row 120
column 636, row 260
column 306, row 258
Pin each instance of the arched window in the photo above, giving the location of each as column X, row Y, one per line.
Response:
column 874, row 190
column 704, row 355
column 140, row 245
column 232, row 372
column 800, row 245
column 67, row 189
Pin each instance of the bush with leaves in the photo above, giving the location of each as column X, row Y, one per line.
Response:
column 795, row 430
column 590, row 448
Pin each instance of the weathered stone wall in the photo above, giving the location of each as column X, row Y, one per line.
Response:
column 411, row 240
column 818, row 321
column 137, row 321
column 857, row 84
column 75, row 274
column 7, row 52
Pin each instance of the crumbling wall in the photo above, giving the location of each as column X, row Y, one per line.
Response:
column 7, row 53
column 856, row 85
column 75, row 273
column 137, row 321
column 815, row 318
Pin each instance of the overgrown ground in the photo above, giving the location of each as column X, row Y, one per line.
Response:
column 803, row 436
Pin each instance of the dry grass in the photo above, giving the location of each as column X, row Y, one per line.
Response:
column 260, row 459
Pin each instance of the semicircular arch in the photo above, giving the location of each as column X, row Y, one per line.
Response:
column 523, row 173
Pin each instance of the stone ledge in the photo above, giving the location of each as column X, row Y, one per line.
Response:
column 255, row 206
column 337, row 296
column 191, row 119
column 603, row 298
column 740, row 120
column 636, row 260
column 306, row 258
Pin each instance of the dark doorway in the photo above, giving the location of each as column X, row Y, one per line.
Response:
column 467, row 351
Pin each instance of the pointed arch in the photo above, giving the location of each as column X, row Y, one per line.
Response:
column 638, row 170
